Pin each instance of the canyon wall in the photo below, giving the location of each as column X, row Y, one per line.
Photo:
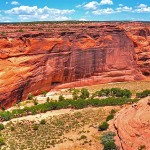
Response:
column 132, row 126
column 41, row 57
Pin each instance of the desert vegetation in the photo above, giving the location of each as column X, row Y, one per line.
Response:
column 78, row 128
column 55, row 105
column 54, row 131
column 143, row 94
column 108, row 141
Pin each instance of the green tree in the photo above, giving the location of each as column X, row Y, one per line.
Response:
column 61, row 98
column 1, row 126
column 84, row 93
column 103, row 126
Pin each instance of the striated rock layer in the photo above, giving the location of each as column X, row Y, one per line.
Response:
column 37, row 57
column 132, row 126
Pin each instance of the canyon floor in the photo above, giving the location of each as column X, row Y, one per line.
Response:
column 69, row 129
column 64, row 130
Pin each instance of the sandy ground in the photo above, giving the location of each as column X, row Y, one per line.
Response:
column 41, row 116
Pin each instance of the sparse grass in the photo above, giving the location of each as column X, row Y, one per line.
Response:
column 32, row 135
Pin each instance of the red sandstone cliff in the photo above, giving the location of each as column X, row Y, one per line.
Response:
column 39, row 57
column 132, row 126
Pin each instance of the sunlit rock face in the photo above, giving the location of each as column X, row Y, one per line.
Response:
column 132, row 126
column 68, row 55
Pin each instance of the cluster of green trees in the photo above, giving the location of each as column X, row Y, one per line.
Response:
column 114, row 92
column 80, row 94
column 143, row 94
column 64, row 103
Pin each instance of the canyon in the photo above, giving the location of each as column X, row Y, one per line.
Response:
column 36, row 57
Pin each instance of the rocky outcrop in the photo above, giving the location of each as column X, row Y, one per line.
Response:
column 41, row 57
column 132, row 126
column 139, row 33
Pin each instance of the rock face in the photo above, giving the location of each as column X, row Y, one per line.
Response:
column 39, row 57
column 132, row 126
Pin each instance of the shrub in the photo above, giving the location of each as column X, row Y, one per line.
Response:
column 61, row 98
column 48, row 99
column 44, row 93
column 83, row 137
column 12, row 128
column 109, row 146
column 30, row 96
column 108, row 137
column 2, row 141
column 43, row 121
column 113, row 111
column 3, row 108
column 143, row 94
column 1, row 126
column 108, row 141
column 5, row 115
column 75, row 94
column 94, row 95
column 35, row 101
column 103, row 126
column 84, row 93
column 110, row 117
column 35, row 127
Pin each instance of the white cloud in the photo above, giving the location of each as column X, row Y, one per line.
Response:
column 142, row 8
column 103, row 11
column 5, row 18
column 95, row 4
column 125, row 9
column 120, row 5
column 106, row 2
column 91, row 5
column 35, row 13
column 82, row 19
column 6, row 3
column 80, row 5
column 15, row 3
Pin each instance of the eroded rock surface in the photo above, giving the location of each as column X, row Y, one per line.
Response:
column 39, row 57
column 132, row 126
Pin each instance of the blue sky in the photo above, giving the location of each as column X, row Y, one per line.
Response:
column 97, row 10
